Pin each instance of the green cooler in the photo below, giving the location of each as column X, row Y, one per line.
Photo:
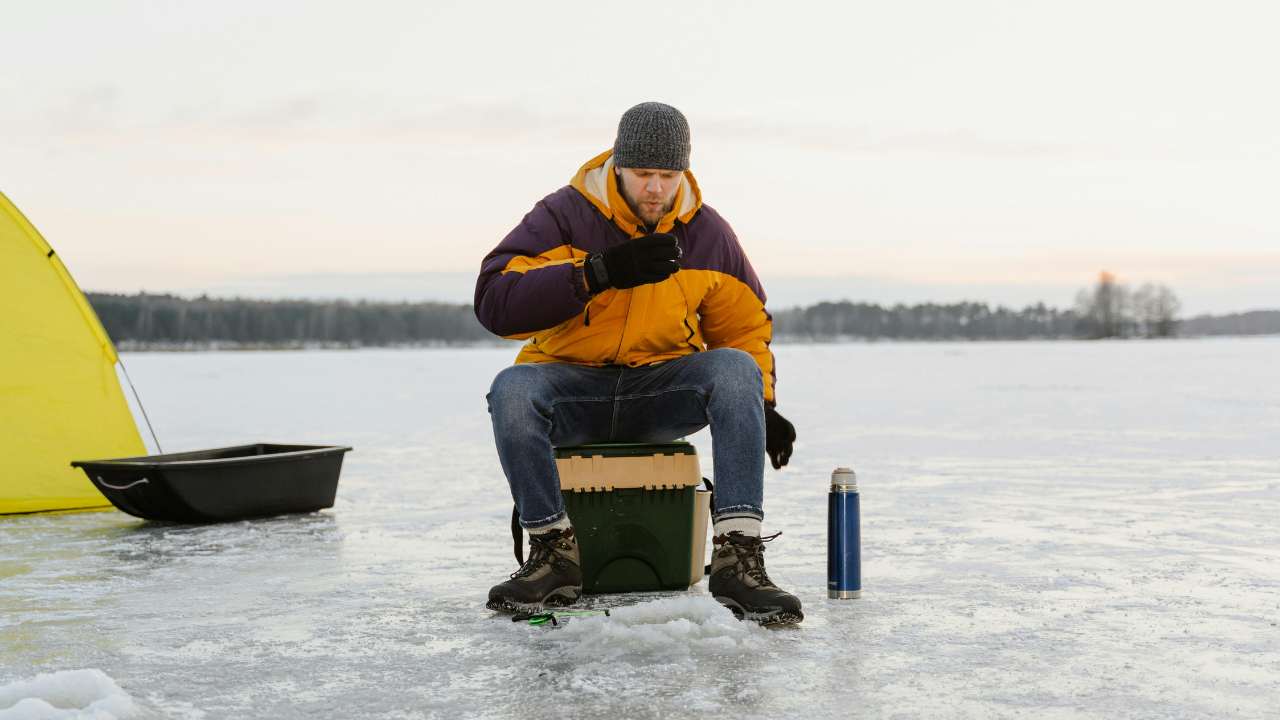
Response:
column 640, row 517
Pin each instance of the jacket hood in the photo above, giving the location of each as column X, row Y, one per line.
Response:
column 598, row 183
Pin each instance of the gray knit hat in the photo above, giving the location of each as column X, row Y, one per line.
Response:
column 652, row 135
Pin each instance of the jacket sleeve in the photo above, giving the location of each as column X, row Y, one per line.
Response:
column 733, row 314
column 532, row 280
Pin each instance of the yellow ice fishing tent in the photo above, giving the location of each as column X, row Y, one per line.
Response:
column 60, row 399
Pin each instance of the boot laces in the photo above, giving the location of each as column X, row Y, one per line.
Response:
column 749, row 556
column 543, row 549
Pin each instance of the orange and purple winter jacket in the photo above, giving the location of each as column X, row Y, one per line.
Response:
column 531, row 286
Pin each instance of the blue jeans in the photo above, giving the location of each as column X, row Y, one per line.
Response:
column 538, row 406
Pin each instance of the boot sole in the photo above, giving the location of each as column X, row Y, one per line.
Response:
column 560, row 597
column 767, row 618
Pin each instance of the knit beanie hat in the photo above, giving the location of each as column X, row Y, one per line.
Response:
column 652, row 135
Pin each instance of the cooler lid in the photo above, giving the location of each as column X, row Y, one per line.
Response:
column 626, row 449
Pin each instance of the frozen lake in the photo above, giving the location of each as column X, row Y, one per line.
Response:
column 1052, row 529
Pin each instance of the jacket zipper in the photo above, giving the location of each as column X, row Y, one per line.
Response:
column 627, row 317
column 621, row 336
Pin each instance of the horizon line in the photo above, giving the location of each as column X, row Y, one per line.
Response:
column 375, row 301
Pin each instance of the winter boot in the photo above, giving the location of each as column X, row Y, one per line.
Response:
column 738, row 581
column 551, row 576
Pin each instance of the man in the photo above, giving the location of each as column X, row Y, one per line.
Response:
column 645, row 323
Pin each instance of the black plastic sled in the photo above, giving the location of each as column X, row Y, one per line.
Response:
column 221, row 484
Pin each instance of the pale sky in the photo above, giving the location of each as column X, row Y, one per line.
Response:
column 888, row 152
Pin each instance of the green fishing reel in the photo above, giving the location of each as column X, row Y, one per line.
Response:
column 554, row 618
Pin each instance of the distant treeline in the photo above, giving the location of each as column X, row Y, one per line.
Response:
column 1257, row 322
column 168, row 322
column 958, row 321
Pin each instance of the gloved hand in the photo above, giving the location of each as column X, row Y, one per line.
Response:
column 649, row 259
column 779, row 434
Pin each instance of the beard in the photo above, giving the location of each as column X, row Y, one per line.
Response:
column 648, row 213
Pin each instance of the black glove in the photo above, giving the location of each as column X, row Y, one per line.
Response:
column 779, row 434
column 649, row 259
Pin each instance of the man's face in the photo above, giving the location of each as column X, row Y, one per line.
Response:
column 649, row 192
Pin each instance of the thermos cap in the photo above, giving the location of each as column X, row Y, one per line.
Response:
column 845, row 478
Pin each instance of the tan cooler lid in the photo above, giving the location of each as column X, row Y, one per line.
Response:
column 595, row 468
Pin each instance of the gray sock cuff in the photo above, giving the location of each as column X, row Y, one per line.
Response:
column 744, row 524
column 561, row 524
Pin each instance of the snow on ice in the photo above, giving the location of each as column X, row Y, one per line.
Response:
column 66, row 695
column 662, row 631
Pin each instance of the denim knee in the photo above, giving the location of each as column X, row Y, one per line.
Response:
column 736, row 368
column 513, row 392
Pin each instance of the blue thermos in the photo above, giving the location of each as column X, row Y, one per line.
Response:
column 844, row 538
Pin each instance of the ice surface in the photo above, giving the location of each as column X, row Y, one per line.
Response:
column 87, row 694
column 1050, row 529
